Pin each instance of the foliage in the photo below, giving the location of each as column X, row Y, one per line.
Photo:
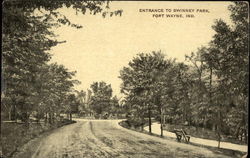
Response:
column 101, row 99
column 32, row 86
column 210, row 92
column 142, row 83
column 230, row 63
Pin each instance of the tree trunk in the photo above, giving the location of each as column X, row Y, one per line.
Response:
column 12, row 113
column 210, row 87
column 237, row 131
column 219, row 126
column 70, row 116
column 50, row 118
column 205, row 122
column 46, row 117
column 149, row 119
column 164, row 119
column 53, row 117
column 219, row 137
column 161, row 113
column 185, row 113
column 214, row 127
column 161, row 130
column 246, row 136
column 10, row 118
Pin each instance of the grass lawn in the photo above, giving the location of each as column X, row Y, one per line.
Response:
column 227, row 152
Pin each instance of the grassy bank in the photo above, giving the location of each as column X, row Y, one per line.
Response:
column 202, row 133
column 15, row 135
column 227, row 152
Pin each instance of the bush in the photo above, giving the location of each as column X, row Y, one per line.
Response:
column 135, row 122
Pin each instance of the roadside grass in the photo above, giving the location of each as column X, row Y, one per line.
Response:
column 226, row 152
column 15, row 135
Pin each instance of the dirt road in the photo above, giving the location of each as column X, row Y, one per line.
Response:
column 106, row 139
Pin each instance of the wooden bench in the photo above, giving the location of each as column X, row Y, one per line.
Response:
column 180, row 133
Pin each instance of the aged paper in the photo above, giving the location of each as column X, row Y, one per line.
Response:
column 124, row 79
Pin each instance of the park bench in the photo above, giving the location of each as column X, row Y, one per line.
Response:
column 180, row 133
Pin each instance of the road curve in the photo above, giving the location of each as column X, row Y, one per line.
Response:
column 106, row 139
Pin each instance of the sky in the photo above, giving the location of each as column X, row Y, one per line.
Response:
column 104, row 46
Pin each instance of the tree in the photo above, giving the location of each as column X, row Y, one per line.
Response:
column 114, row 108
column 27, row 38
column 199, row 93
column 100, row 101
column 227, row 58
column 73, row 105
column 140, row 80
column 55, row 85
column 236, row 53
column 81, row 98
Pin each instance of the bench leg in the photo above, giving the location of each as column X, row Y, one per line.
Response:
column 179, row 138
column 188, row 138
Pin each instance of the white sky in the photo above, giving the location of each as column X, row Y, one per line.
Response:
column 104, row 46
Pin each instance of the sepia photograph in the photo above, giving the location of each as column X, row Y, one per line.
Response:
column 124, row 79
